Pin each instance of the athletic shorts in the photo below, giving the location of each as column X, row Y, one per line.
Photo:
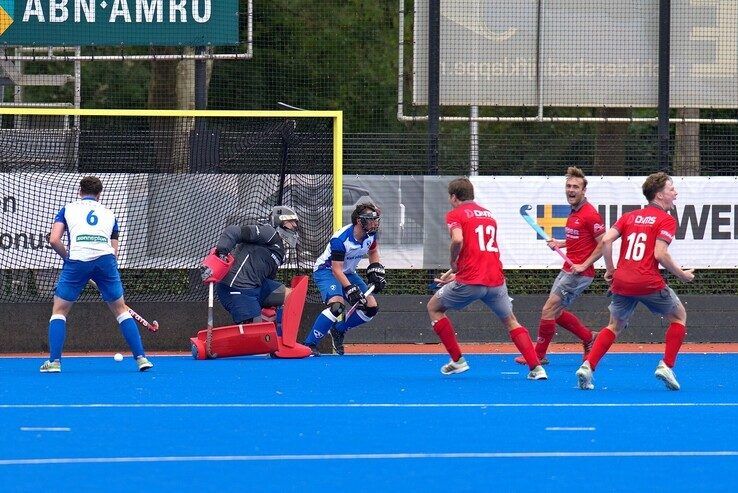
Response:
column 661, row 303
column 569, row 287
column 76, row 273
column 456, row 296
column 246, row 304
column 330, row 287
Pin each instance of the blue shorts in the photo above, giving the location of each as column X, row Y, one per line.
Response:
column 330, row 287
column 456, row 296
column 75, row 274
column 245, row 304
column 569, row 287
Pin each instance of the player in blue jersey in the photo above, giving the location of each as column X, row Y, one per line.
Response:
column 90, row 253
column 339, row 284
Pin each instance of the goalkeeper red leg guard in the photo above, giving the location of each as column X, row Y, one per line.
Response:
column 570, row 322
column 521, row 338
column 446, row 333
column 602, row 344
column 674, row 337
column 546, row 332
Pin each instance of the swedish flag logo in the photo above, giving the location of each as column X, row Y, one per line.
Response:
column 552, row 218
column 7, row 8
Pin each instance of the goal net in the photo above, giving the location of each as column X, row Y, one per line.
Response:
column 174, row 180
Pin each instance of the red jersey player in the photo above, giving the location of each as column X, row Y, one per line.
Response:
column 583, row 243
column 475, row 274
column 646, row 235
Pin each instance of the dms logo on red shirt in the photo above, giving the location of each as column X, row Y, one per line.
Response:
column 645, row 220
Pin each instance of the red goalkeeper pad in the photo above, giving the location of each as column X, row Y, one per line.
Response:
column 218, row 267
column 237, row 340
column 292, row 311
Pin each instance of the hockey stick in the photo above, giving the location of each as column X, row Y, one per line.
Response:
column 209, row 337
column 351, row 311
column 153, row 326
column 533, row 224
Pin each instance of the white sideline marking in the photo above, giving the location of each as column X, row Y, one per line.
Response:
column 404, row 456
column 40, row 428
column 509, row 373
column 368, row 405
column 570, row 428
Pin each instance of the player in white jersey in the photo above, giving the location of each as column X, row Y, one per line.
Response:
column 91, row 232
column 335, row 275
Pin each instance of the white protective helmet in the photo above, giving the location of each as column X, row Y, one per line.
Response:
column 278, row 216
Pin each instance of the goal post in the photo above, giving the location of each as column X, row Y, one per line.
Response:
column 174, row 179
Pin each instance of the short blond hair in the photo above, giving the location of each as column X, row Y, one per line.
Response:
column 574, row 172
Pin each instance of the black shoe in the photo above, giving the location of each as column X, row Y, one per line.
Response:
column 314, row 350
column 337, row 337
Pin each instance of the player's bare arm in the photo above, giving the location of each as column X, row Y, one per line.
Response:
column 373, row 256
column 115, row 244
column 337, row 270
column 553, row 243
column 662, row 255
column 457, row 242
column 612, row 235
column 55, row 239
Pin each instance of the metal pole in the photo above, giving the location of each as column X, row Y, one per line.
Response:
column 664, row 74
column 201, row 94
column 474, row 142
column 434, row 65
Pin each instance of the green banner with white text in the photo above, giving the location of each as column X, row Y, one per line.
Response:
column 118, row 22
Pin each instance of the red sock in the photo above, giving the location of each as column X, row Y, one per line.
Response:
column 570, row 322
column 674, row 338
column 445, row 331
column 521, row 338
column 546, row 331
column 601, row 345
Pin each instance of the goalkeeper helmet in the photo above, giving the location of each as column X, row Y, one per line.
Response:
column 281, row 214
column 368, row 215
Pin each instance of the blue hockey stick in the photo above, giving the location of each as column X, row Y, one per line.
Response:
column 533, row 224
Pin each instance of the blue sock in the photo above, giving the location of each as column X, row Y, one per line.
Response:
column 57, row 334
column 321, row 326
column 354, row 320
column 129, row 329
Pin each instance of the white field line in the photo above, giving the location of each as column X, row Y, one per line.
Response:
column 480, row 405
column 41, row 428
column 402, row 456
column 570, row 428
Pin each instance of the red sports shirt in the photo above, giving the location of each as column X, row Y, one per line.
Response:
column 479, row 260
column 583, row 227
column 637, row 272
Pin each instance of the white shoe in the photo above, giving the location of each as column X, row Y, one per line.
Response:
column 143, row 363
column 666, row 375
column 455, row 366
column 51, row 367
column 537, row 373
column 585, row 377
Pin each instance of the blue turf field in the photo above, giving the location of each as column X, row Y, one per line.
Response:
column 366, row 423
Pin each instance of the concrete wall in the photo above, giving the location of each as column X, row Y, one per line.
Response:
column 402, row 319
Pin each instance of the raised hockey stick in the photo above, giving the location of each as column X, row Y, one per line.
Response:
column 533, row 224
column 351, row 311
